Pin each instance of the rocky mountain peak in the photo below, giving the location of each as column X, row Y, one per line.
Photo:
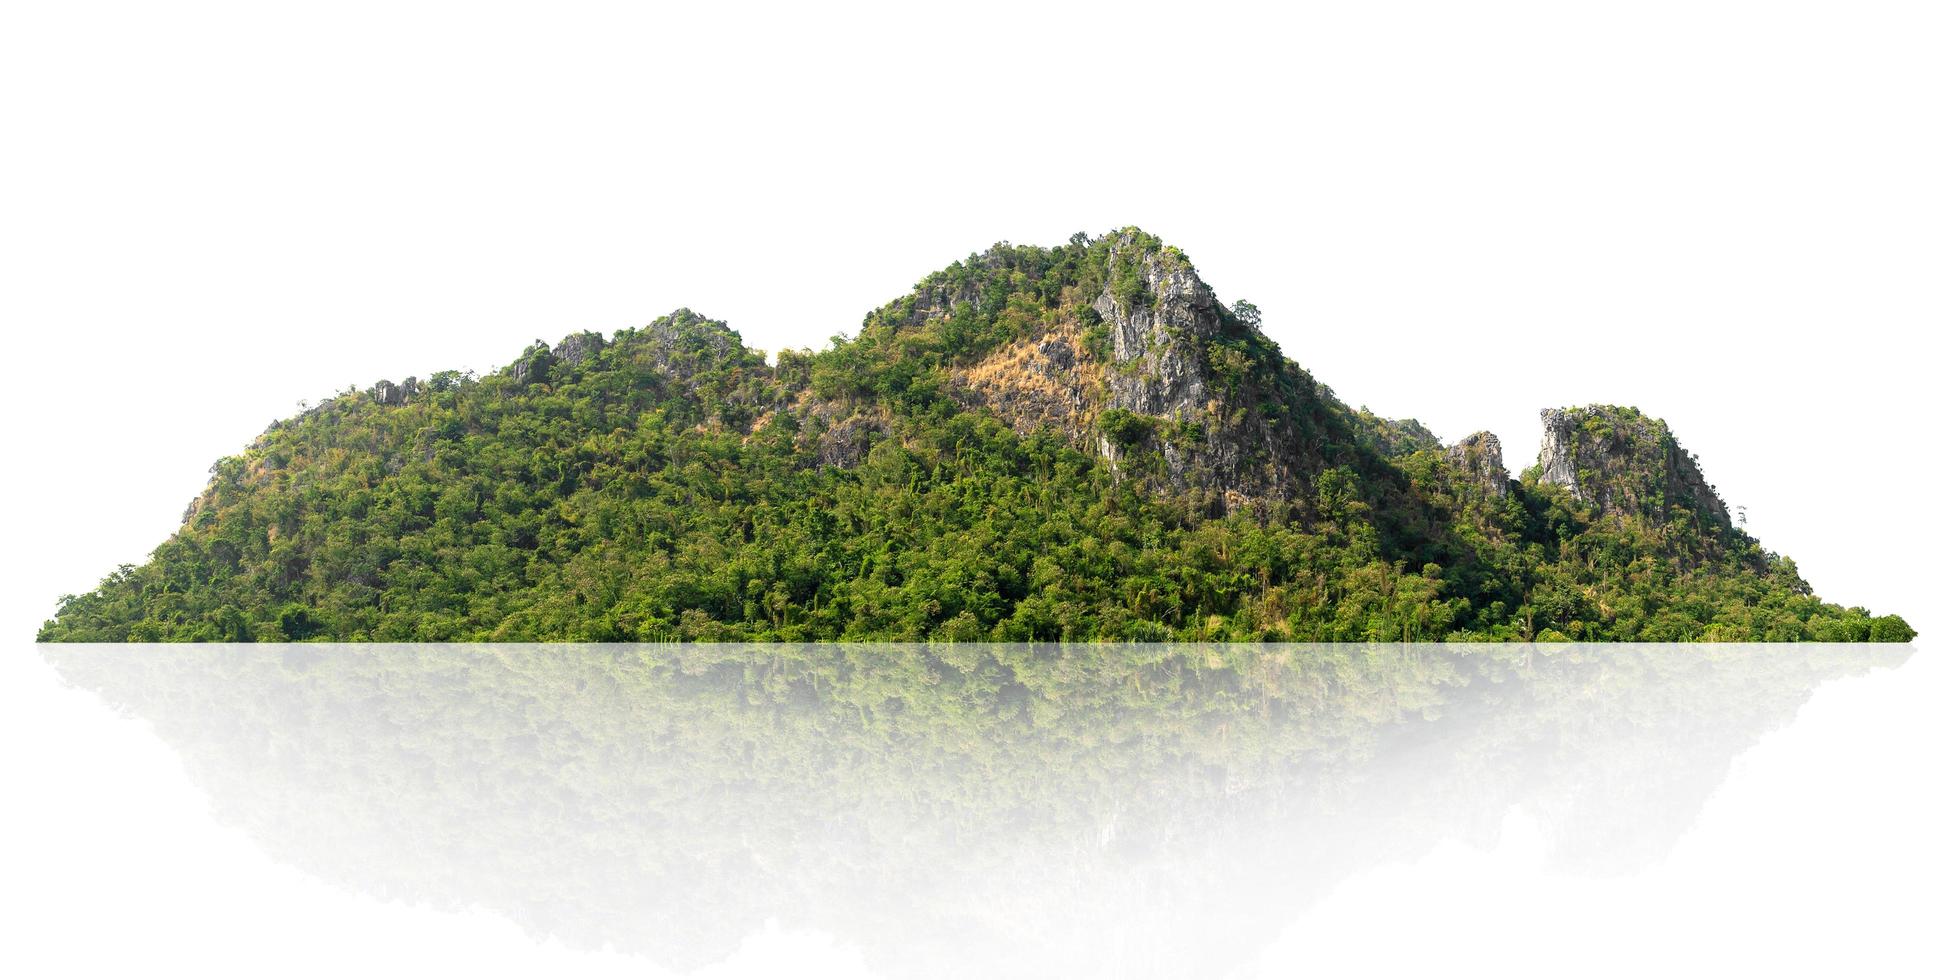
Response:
column 1117, row 344
column 1160, row 315
column 1623, row 462
column 578, row 347
column 387, row 393
column 1218, row 402
column 1477, row 461
column 685, row 341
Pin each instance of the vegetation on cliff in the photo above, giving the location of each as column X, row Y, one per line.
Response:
column 1068, row 443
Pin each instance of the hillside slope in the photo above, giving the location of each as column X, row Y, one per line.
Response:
column 1078, row 442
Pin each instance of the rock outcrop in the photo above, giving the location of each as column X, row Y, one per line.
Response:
column 677, row 345
column 1131, row 338
column 1127, row 352
column 387, row 393
column 576, row 348
column 1226, row 402
column 1041, row 382
column 1623, row 462
column 685, row 342
column 1557, row 451
column 842, row 437
column 1477, row 464
column 533, row 365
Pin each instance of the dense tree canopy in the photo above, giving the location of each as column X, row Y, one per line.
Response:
column 670, row 483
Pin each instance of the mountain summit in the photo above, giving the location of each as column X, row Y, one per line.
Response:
column 1067, row 443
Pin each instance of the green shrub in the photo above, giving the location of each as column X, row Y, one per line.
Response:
column 1891, row 629
column 1125, row 428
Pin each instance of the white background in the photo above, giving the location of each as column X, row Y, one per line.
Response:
column 1728, row 214
column 1818, row 855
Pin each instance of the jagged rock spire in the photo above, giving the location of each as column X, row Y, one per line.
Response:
column 1477, row 461
column 1623, row 462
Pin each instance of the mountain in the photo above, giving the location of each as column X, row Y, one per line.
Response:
column 1068, row 443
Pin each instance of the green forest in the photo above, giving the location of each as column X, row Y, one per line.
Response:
column 1072, row 443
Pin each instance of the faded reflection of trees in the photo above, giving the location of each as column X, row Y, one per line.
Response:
column 985, row 809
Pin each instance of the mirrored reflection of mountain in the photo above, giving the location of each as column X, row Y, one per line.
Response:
column 951, row 809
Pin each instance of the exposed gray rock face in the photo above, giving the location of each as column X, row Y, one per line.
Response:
column 1557, row 451
column 845, row 442
column 839, row 433
column 579, row 347
column 1162, row 348
column 1156, row 341
column 932, row 302
column 1687, row 486
column 1057, row 352
column 1228, row 415
column 387, row 393
column 1477, row 461
column 1034, row 384
column 942, row 293
column 1623, row 462
column 683, row 343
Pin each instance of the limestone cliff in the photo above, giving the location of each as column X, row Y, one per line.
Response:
column 1624, row 463
column 1119, row 346
column 1477, row 465
column 1232, row 414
